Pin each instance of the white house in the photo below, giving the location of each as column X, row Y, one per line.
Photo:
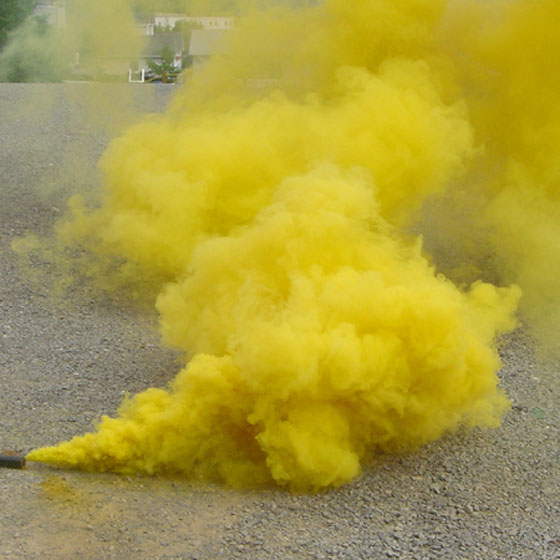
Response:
column 260, row 71
column 205, row 22
column 206, row 43
column 153, row 50
column 212, row 23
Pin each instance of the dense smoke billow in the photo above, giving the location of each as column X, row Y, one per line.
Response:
column 279, row 207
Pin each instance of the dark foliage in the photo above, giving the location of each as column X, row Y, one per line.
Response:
column 13, row 14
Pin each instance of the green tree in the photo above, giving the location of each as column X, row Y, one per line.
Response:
column 164, row 69
column 33, row 54
column 12, row 14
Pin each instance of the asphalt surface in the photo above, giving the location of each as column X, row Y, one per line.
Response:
column 481, row 494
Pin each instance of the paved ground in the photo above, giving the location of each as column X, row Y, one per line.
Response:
column 478, row 495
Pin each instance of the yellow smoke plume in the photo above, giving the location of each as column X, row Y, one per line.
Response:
column 275, row 225
column 523, row 132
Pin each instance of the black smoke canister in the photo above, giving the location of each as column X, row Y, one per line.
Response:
column 12, row 462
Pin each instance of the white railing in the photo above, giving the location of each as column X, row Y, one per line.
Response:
column 132, row 74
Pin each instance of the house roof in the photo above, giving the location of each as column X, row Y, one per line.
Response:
column 141, row 18
column 169, row 14
column 154, row 44
column 206, row 42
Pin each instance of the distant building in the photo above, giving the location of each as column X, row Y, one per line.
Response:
column 206, row 43
column 145, row 24
column 212, row 23
column 257, row 71
column 162, row 19
column 155, row 45
column 153, row 51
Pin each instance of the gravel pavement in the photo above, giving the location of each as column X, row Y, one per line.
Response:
column 482, row 494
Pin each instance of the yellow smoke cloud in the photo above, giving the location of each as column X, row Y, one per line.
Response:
column 506, row 56
column 526, row 207
column 317, row 338
column 273, row 226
